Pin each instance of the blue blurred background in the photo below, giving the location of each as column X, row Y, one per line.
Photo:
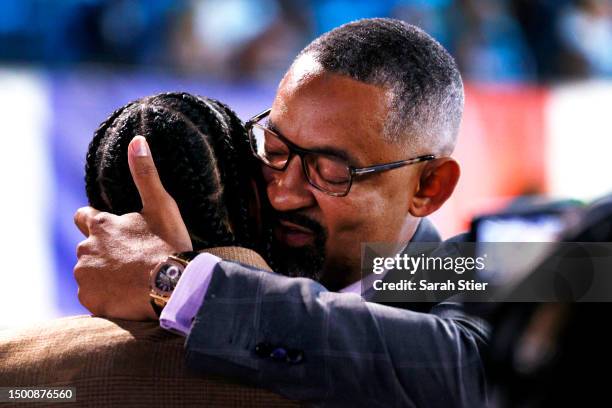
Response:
column 65, row 65
column 493, row 40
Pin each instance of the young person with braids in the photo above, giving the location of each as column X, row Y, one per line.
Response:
column 203, row 157
column 204, row 161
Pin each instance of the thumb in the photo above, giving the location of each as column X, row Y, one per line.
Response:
column 146, row 178
column 158, row 207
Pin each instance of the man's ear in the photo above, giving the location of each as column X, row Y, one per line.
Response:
column 436, row 184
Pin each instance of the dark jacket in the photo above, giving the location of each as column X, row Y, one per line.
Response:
column 294, row 337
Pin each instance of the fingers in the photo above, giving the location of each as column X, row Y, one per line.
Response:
column 144, row 173
column 86, row 247
column 83, row 218
column 83, row 274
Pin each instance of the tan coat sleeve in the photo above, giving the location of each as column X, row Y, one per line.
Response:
column 116, row 363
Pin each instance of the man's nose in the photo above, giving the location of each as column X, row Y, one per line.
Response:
column 289, row 190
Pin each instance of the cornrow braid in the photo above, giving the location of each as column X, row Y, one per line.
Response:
column 91, row 186
column 200, row 148
column 235, row 148
column 240, row 148
column 207, row 114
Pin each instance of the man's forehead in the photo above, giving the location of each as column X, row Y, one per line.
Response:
column 303, row 69
column 314, row 108
column 306, row 75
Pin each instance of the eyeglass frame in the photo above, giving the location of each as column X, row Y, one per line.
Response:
column 299, row 151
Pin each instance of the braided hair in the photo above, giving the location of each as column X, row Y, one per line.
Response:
column 202, row 154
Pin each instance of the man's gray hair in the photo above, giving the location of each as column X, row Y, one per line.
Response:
column 422, row 78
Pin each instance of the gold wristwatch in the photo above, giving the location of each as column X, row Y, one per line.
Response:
column 165, row 276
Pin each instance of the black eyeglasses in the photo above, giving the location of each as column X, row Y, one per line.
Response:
column 325, row 172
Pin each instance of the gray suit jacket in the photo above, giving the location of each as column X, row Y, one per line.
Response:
column 296, row 338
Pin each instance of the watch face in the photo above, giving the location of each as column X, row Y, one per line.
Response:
column 167, row 276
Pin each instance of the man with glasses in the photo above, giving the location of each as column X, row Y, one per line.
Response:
column 355, row 148
column 305, row 244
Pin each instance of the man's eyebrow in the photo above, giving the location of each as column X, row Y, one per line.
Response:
column 331, row 150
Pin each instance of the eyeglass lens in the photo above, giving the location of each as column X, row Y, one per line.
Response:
column 327, row 172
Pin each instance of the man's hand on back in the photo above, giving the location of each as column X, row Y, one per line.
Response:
column 119, row 252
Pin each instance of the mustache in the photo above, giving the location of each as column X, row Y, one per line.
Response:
column 301, row 220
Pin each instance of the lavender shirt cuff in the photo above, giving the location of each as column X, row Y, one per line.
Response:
column 188, row 295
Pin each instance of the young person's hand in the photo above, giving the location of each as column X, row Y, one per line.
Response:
column 119, row 252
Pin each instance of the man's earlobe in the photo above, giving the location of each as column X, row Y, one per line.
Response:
column 436, row 185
